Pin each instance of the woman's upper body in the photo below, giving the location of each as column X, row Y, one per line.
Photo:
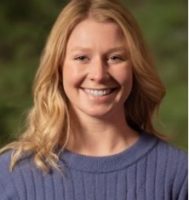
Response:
column 95, row 88
column 150, row 169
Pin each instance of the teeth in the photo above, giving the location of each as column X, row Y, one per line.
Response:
column 98, row 92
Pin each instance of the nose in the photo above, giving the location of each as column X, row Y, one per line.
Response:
column 98, row 70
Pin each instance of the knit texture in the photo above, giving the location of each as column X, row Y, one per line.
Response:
column 150, row 170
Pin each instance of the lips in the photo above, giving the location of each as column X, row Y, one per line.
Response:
column 99, row 92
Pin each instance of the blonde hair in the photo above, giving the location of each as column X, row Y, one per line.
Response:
column 48, row 122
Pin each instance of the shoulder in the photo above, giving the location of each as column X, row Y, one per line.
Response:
column 171, row 153
column 5, row 159
column 168, row 155
column 12, row 183
column 171, row 167
column 6, row 182
column 163, row 151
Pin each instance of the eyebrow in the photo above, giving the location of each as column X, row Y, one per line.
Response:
column 80, row 48
column 120, row 48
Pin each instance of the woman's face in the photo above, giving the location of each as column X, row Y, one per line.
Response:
column 97, row 72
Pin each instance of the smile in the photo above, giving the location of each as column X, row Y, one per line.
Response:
column 99, row 92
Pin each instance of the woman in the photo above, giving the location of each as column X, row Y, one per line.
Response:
column 90, row 133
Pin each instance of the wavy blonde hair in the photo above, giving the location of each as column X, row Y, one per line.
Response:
column 48, row 123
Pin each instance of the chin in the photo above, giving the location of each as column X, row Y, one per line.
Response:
column 99, row 112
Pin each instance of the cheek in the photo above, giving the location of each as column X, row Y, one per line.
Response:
column 126, row 82
column 124, row 76
column 72, row 76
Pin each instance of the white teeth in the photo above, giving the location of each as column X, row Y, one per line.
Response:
column 98, row 92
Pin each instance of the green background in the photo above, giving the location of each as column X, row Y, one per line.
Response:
column 24, row 26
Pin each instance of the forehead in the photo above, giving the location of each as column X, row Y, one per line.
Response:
column 91, row 32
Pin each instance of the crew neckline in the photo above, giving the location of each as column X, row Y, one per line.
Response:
column 111, row 162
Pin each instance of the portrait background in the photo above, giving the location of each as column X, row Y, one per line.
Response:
column 25, row 25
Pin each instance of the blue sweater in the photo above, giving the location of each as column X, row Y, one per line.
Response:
column 149, row 170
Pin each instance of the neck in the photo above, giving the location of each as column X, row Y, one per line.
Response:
column 101, row 137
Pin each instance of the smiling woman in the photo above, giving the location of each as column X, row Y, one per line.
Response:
column 90, row 127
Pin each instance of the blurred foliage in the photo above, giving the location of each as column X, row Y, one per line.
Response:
column 164, row 24
column 24, row 27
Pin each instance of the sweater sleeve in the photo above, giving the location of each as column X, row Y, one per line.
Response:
column 2, row 188
column 3, row 194
column 7, row 188
column 180, row 185
column 183, row 194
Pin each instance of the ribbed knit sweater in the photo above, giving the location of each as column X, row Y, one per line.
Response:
column 149, row 170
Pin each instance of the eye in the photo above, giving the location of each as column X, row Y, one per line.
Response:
column 81, row 58
column 116, row 59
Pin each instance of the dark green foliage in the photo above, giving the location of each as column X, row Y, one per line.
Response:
column 24, row 26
